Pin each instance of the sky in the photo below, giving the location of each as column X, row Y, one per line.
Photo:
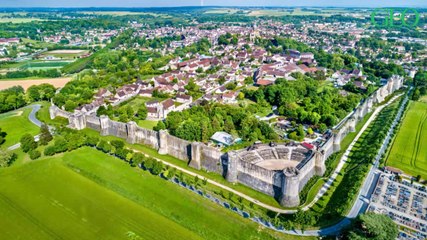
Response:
column 175, row 3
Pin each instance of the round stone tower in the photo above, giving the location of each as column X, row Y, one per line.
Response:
column 290, row 188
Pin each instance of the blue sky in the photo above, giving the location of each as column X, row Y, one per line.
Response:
column 172, row 3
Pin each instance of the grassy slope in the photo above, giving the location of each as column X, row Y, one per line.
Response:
column 16, row 124
column 262, row 197
column 409, row 152
column 45, row 200
column 86, row 194
column 44, row 116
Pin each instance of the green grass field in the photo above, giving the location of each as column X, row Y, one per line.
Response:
column 148, row 124
column 44, row 116
column 409, row 149
column 86, row 194
column 43, row 65
column 19, row 20
column 16, row 124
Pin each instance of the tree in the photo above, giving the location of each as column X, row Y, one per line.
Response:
column 104, row 146
column 171, row 173
column 142, row 112
column 230, row 86
column 249, row 80
column 45, row 135
column 241, row 96
column 2, row 136
column 149, row 163
column 160, row 126
column 337, row 62
column 34, row 154
column 6, row 158
column 70, row 105
column 117, row 144
column 137, row 158
column 28, row 143
column 373, row 226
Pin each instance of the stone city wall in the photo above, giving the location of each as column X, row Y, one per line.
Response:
column 208, row 158
column 285, row 185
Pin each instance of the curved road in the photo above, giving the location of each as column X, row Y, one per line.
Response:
column 359, row 206
column 32, row 117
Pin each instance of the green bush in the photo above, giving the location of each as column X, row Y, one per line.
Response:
column 34, row 154
column 49, row 151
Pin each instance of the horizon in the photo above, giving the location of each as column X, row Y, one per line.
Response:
column 207, row 3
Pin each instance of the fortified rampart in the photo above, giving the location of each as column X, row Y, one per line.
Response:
column 282, row 183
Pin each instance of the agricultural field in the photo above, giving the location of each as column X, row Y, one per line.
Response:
column 122, row 13
column 26, row 83
column 43, row 65
column 287, row 12
column 409, row 151
column 87, row 194
column 222, row 11
column 16, row 124
column 19, row 20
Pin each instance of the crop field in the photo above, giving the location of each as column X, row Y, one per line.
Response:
column 43, row 65
column 409, row 149
column 86, row 194
column 123, row 13
column 16, row 124
column 222, row 11
column 287, row 12
column 26, row 83
column 19, row 20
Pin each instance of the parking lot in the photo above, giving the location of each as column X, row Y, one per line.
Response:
column 403, row 202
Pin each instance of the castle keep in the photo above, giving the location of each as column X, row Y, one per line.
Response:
column 279, row 170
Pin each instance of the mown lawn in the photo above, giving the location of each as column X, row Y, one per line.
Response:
column 147, row 124
column 16, row 124
column 409, row 149
column 86, row 194
column 44, row 116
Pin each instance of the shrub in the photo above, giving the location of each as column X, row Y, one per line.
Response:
column 28, row 143
column 49, row 151
column 117, row 144
column 104, row 146
column 91, row 141
column 34, row 154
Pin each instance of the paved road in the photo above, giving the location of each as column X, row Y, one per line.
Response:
column 362, row 200
column 32, row 117
column 344, row 158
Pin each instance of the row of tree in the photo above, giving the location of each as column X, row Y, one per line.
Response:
column 15, row 97
column 420, row 84
column 50, row 73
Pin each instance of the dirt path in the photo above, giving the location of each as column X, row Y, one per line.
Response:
column 57, row 82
